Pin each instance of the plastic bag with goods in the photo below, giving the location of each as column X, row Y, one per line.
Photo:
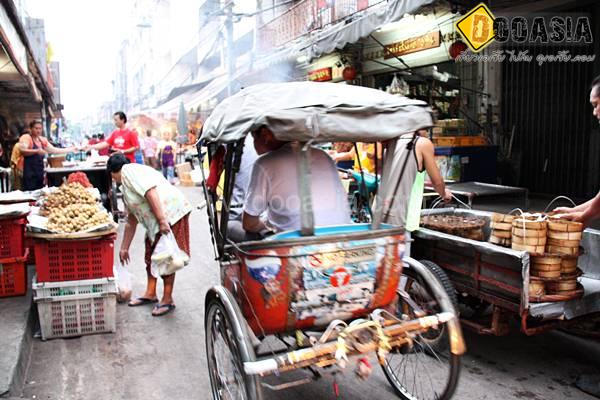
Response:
column 167, row 257
column 123, row 278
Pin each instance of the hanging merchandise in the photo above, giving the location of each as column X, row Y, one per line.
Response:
column 398, row 86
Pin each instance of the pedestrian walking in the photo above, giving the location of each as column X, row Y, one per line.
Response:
column 150, row 147
column 161, row 208
column 167, row 149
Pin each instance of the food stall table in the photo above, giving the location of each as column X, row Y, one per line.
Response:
column 471, row 190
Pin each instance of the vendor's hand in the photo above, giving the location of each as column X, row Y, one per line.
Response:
column 41, row 152
column 563, row 210
column 164, row 227
column 124, row 256
column 447, row 197
column 576, row 216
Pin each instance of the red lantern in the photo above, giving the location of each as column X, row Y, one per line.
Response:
column 457, row 48
column 349, row 73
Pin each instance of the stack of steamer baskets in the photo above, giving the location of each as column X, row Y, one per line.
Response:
column 501, row 225
column 553, row 245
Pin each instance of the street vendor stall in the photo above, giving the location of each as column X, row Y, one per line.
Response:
column 73, row 240
column 530, row 266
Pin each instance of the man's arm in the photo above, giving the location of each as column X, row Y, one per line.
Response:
column 426, row 149
column 98, row 146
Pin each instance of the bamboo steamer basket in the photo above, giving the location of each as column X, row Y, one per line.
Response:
column 496, row 217
column 561, row 286
column 568, row 265
column 567, row 251
column 564, row 235
column 501, row 226
column 516, row 231
column 546, row 267
column 535, row 250
column 501, row 234
column 531, row 241
column 506, row 242
column 564, row 243
column 551, row 259
column 527, row 224
column 545, row 274
column 561, row 225
column 537, row 288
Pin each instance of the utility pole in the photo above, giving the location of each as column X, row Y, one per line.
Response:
column 230, row 52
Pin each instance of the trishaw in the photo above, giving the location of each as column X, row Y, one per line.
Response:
column 312, row 299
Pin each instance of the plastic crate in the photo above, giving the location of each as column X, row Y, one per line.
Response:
column 13, row 277
column 12, row 237
column 76, row 308
column 72, row 289
column 73, row 260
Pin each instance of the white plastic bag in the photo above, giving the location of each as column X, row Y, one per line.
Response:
column 167, row 257
column 123, row 279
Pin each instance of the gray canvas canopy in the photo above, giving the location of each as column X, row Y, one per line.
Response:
column 316, row 111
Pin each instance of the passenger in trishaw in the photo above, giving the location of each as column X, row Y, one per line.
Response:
column 274, row 188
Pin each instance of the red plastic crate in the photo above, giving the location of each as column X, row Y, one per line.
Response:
column 13, row 276
column 74, row 260
column 12, row 237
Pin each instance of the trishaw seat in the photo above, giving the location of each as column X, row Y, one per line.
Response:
column 327, row 231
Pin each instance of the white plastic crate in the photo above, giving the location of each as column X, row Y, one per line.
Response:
column 75, row 308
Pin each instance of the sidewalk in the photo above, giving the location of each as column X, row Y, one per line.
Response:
column 16, row 322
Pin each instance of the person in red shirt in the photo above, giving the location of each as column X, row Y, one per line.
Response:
column 122, row 139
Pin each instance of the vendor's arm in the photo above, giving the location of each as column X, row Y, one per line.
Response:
column 590, row 213
column 128, row 235
column 426, row 149
column 580, row 208
column 56, row 150
column 154, row 201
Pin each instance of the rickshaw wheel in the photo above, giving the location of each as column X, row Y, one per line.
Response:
column 425, row 370
column 227, row 348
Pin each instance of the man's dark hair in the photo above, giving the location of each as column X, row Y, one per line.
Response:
column 121, row 116
column 101, row 135
column 34, row 123
column 148, row 132
column 595, row 85
column 116, row 162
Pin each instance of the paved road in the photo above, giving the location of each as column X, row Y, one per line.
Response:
column 164, row 358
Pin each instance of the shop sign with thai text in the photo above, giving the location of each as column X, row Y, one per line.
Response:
column 412, row 45
column 320, row 75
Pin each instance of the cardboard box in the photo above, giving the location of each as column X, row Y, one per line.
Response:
column 180, row 169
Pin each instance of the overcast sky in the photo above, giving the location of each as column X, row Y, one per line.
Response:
column 85, row 37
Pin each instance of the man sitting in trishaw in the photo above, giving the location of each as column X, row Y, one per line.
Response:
column 327, row 288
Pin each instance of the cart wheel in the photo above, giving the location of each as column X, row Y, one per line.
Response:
column 426, row 370
column 227, row 348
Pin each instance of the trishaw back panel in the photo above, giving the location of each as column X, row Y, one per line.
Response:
column 303, row 285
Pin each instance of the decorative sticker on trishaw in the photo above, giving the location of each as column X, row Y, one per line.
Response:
column 336, row 280
column 265, row 271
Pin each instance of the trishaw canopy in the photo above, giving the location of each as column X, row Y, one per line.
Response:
column 316, row 111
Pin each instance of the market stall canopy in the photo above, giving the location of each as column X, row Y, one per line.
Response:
column 318, row 111
column 336, row 36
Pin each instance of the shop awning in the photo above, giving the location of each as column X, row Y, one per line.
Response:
column 336, row 36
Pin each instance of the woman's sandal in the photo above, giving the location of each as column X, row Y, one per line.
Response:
column 140, row 301
column 158, row 309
